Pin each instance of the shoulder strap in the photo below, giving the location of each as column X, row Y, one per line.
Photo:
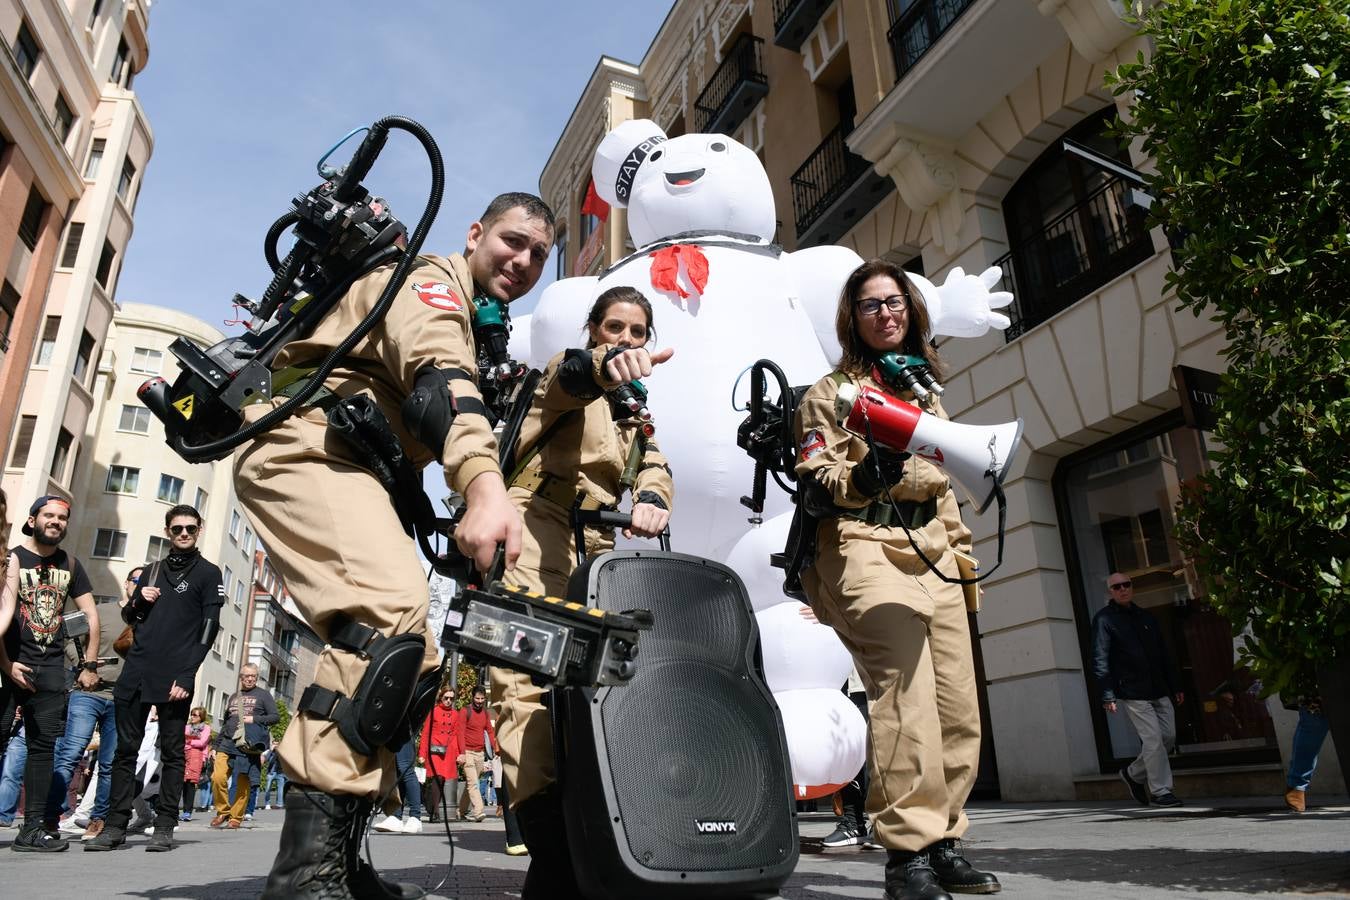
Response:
column 543, row 439
column 838, row 378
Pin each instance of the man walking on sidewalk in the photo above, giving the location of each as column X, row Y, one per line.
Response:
column 243, row 738
column 1133, row 669
column 478, row 731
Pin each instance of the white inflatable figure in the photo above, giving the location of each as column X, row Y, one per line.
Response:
column 701, row 213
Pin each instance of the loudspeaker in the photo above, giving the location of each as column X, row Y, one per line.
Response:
column 977, row 456
column 676, row 784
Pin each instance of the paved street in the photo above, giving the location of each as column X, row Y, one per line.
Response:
column 1231, row 849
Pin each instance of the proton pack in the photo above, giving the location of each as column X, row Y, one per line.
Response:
column 342, row 232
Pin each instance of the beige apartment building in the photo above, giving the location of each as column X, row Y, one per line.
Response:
column 74, row 143
column 131, row 478
column 932, row 132
column 280, row 643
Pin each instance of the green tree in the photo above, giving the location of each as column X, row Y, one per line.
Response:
column 278, row 728
column 1245, row 107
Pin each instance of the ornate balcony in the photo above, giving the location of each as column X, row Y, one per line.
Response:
column 833, row 189
column 916, row 28
column 1076, row 253
column 734, row 89
column 794, row 19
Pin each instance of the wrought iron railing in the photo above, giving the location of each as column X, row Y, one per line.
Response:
column 829, row 171
column 743, row 62
column 783, row 10
column 1073, row 255
column 916, row 27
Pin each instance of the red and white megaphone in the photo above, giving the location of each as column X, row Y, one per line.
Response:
column 977, row 456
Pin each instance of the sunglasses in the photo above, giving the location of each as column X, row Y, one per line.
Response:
column 871, row 306
column 180, row 529
column 1121, row 584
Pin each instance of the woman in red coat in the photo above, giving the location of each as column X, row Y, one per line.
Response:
column 196, row 737
column 439, row 750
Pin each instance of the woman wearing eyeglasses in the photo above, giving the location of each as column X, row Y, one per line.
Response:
column 905, row 628
column 176, row 610
column 441, row 746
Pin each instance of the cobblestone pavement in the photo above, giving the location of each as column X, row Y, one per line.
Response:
column 1224, row 849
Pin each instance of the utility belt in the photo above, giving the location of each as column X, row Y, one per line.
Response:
column 913, row 514
column 555, row 490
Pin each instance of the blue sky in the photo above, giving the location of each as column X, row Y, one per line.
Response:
column 245, row 97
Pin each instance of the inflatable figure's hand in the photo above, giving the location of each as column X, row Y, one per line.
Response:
column 966, row 304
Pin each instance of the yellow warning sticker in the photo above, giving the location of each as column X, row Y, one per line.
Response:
column 184, row 406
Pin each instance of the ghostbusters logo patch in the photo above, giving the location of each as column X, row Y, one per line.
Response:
column 813, row 443
column 437, row 295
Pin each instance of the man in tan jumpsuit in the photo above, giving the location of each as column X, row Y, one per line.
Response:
column 335, row 538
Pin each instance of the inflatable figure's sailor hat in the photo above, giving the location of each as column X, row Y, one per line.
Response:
column 620, row 155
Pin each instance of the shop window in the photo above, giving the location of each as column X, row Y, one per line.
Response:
column 1119, row 501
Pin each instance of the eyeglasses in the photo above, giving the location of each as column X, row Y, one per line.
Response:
column 1120, row 585
column 871, row 305
column 180, row 529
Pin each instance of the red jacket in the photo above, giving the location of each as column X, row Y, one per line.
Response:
column 443, row 728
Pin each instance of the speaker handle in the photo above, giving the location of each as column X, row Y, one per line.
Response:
column 614, row 519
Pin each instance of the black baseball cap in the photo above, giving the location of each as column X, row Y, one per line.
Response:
column 37, row 507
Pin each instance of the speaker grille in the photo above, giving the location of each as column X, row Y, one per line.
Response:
column 692, row 744
column 700, row 613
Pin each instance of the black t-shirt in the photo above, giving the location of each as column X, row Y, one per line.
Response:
column 37, row 635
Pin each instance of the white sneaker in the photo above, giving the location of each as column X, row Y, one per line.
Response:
column 248, row 817
column 390, row 825
column 72, row 825
column 412, row 825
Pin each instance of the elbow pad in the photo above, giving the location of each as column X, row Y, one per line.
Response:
column 576, row 375
column 431, row 409
column 208, row 635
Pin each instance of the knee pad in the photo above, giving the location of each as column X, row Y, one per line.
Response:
column 423, row 699
column 372, row 716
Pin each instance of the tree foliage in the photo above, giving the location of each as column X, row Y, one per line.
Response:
column 1245, row 106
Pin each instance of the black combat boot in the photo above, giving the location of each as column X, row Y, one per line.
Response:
column 550, row 876
column 365, row 883
column 957, row 875
column 161, row 841
column 910, row 876
column 312, row 859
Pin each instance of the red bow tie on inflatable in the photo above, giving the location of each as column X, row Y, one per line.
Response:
column 666, row 268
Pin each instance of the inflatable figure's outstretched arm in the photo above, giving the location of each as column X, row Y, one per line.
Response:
column 816, row 275
column 965, row 304
column 556, row 323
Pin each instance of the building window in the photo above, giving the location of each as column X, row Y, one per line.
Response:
column 105, row 262
column 95, row 158
column 239, row 594
column 234, row 646
column 124, row 183
column 227, row 579
column 210, row 698
column 1119, row 499
column 83, row 356
column 110, row 544
column 123, row 480
column 146, row 361
column 62, row 453
column 170, row 489
column 235, row 522
column 561, row 257
column 200, row 502
column 158, row 547
column 9, row 308
column 248, row 540
column 23, row 440
column 1072, row 227
column 135, row 419
column 119, row 63
column 30, row 225
column 63, row 117
column 93, row 13
column 74, row 234
column 26, row 50
column 47, row 343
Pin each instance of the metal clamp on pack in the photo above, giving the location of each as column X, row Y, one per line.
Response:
column 374, row 715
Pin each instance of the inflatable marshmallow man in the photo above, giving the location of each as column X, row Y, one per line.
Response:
column 701, row 212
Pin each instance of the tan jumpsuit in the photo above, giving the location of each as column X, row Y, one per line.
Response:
column 588, row 453
column 906, row 630
column 329, row 525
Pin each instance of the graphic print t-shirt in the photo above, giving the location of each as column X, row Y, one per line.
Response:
column 36, row 637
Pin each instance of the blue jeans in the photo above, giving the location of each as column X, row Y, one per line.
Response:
column 275, row 777
column 204, row 793
column 407, row 779
column 1309, row 734
column 16, row 757
column 83, row 713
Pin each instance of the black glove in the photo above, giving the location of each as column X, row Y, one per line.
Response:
column 878, row 470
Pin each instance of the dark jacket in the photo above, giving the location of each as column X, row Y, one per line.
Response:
column 1129, row 659
column 168, row 647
